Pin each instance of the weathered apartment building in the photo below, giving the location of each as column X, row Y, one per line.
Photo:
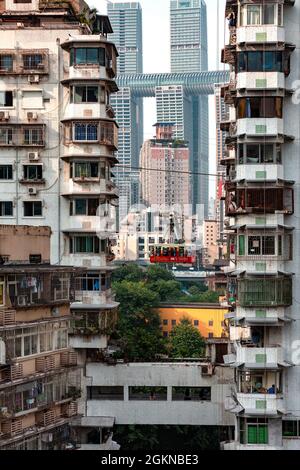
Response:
column 58, row 138
column 39, row 376
column 262, row 194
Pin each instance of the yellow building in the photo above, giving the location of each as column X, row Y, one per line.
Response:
column 208, row 318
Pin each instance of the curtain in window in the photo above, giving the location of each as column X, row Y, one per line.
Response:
column 253, row 15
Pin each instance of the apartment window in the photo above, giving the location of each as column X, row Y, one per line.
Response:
column 87, row 56
column 6, row 208
column 254, row 431
column 85, row 132
column 173, row 322
column 211, row 323
column 210, row 335
column 256, row 15
column 87, row 244
column 260, row 107
column 148, row 393
column 290, row 428
column 259, row 153
column 32, row 172
column 6, row 135
column 196, row 322
column 94, row 282
column 85, row 94
column 32, row 61
column 261, row 61
column 6, row 172
column 6, row 98
column 261, row 245
column 84, row 170
column 84, row 207
column 165, row 322
column 6, row 63
column 34, row 136
column 191, row 393
column 105, row 393
column 33, row 209
column 265, row 292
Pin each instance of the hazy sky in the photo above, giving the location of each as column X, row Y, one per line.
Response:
column 156, row 45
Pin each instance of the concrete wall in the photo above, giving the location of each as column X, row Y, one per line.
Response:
column 168, row 412
column 20, row 242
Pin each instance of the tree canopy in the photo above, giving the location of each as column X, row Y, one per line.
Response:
column 186, row 341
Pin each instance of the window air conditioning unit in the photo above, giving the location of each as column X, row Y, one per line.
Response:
column 4, row 116
column 32, row 191
column 33, row 78
column 32, row 116
column 33, row 156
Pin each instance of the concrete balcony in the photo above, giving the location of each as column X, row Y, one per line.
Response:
column 84, row 341
column 234, row 445
column 259, row 172
column 88, row 72
column 272, row 220
column 260, row 34
column 265, row 316
column 85, row 260
column 260, row 358
column 261, row 404
column 259, row 127
column 260, row 81
column 85, row 110
column 260, row 264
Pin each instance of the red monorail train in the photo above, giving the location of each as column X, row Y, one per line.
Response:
column 178, row 254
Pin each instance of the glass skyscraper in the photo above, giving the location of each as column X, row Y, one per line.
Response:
column 189, row 54
column 126, row 20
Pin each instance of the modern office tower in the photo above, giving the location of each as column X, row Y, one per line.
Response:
column 189, row 54
column 188, row 36
column 126, row 20
column 39, row 376
column 170, row 185
column 58, row 139
column 262, row 197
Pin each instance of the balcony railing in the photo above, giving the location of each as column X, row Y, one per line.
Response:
column 22, row 135
column 265, row 292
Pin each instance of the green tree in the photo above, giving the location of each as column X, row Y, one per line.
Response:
column 166, row 290
column 156, row 272
column 186, row 340
column 210, row 297
column 138, row 328
column 128, row 272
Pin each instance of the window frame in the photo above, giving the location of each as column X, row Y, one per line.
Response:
column 34, row 204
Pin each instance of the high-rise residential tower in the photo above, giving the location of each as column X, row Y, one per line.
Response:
column 170, row 184
column 189, row 54
column 262, row 202
column 126, row 20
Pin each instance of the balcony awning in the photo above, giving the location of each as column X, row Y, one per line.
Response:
column 111, row 83
column 261, row 273
column 261, row 366
column 265, row 413
column 90, row 158
column 90, row 194
column 262, row 227
column 260, row 321
column 77, row 306
column 94, row 422
column 278, row 182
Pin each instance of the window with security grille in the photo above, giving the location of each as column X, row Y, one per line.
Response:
column 32, row 61
column 6, row 208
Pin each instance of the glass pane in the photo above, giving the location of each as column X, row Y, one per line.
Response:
column 252, row 154
column 79, row 94
column 253, row 15
column 80, row 55
column 80, row 206
column 92, row 94
column 269, row 14
column 92, row 55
